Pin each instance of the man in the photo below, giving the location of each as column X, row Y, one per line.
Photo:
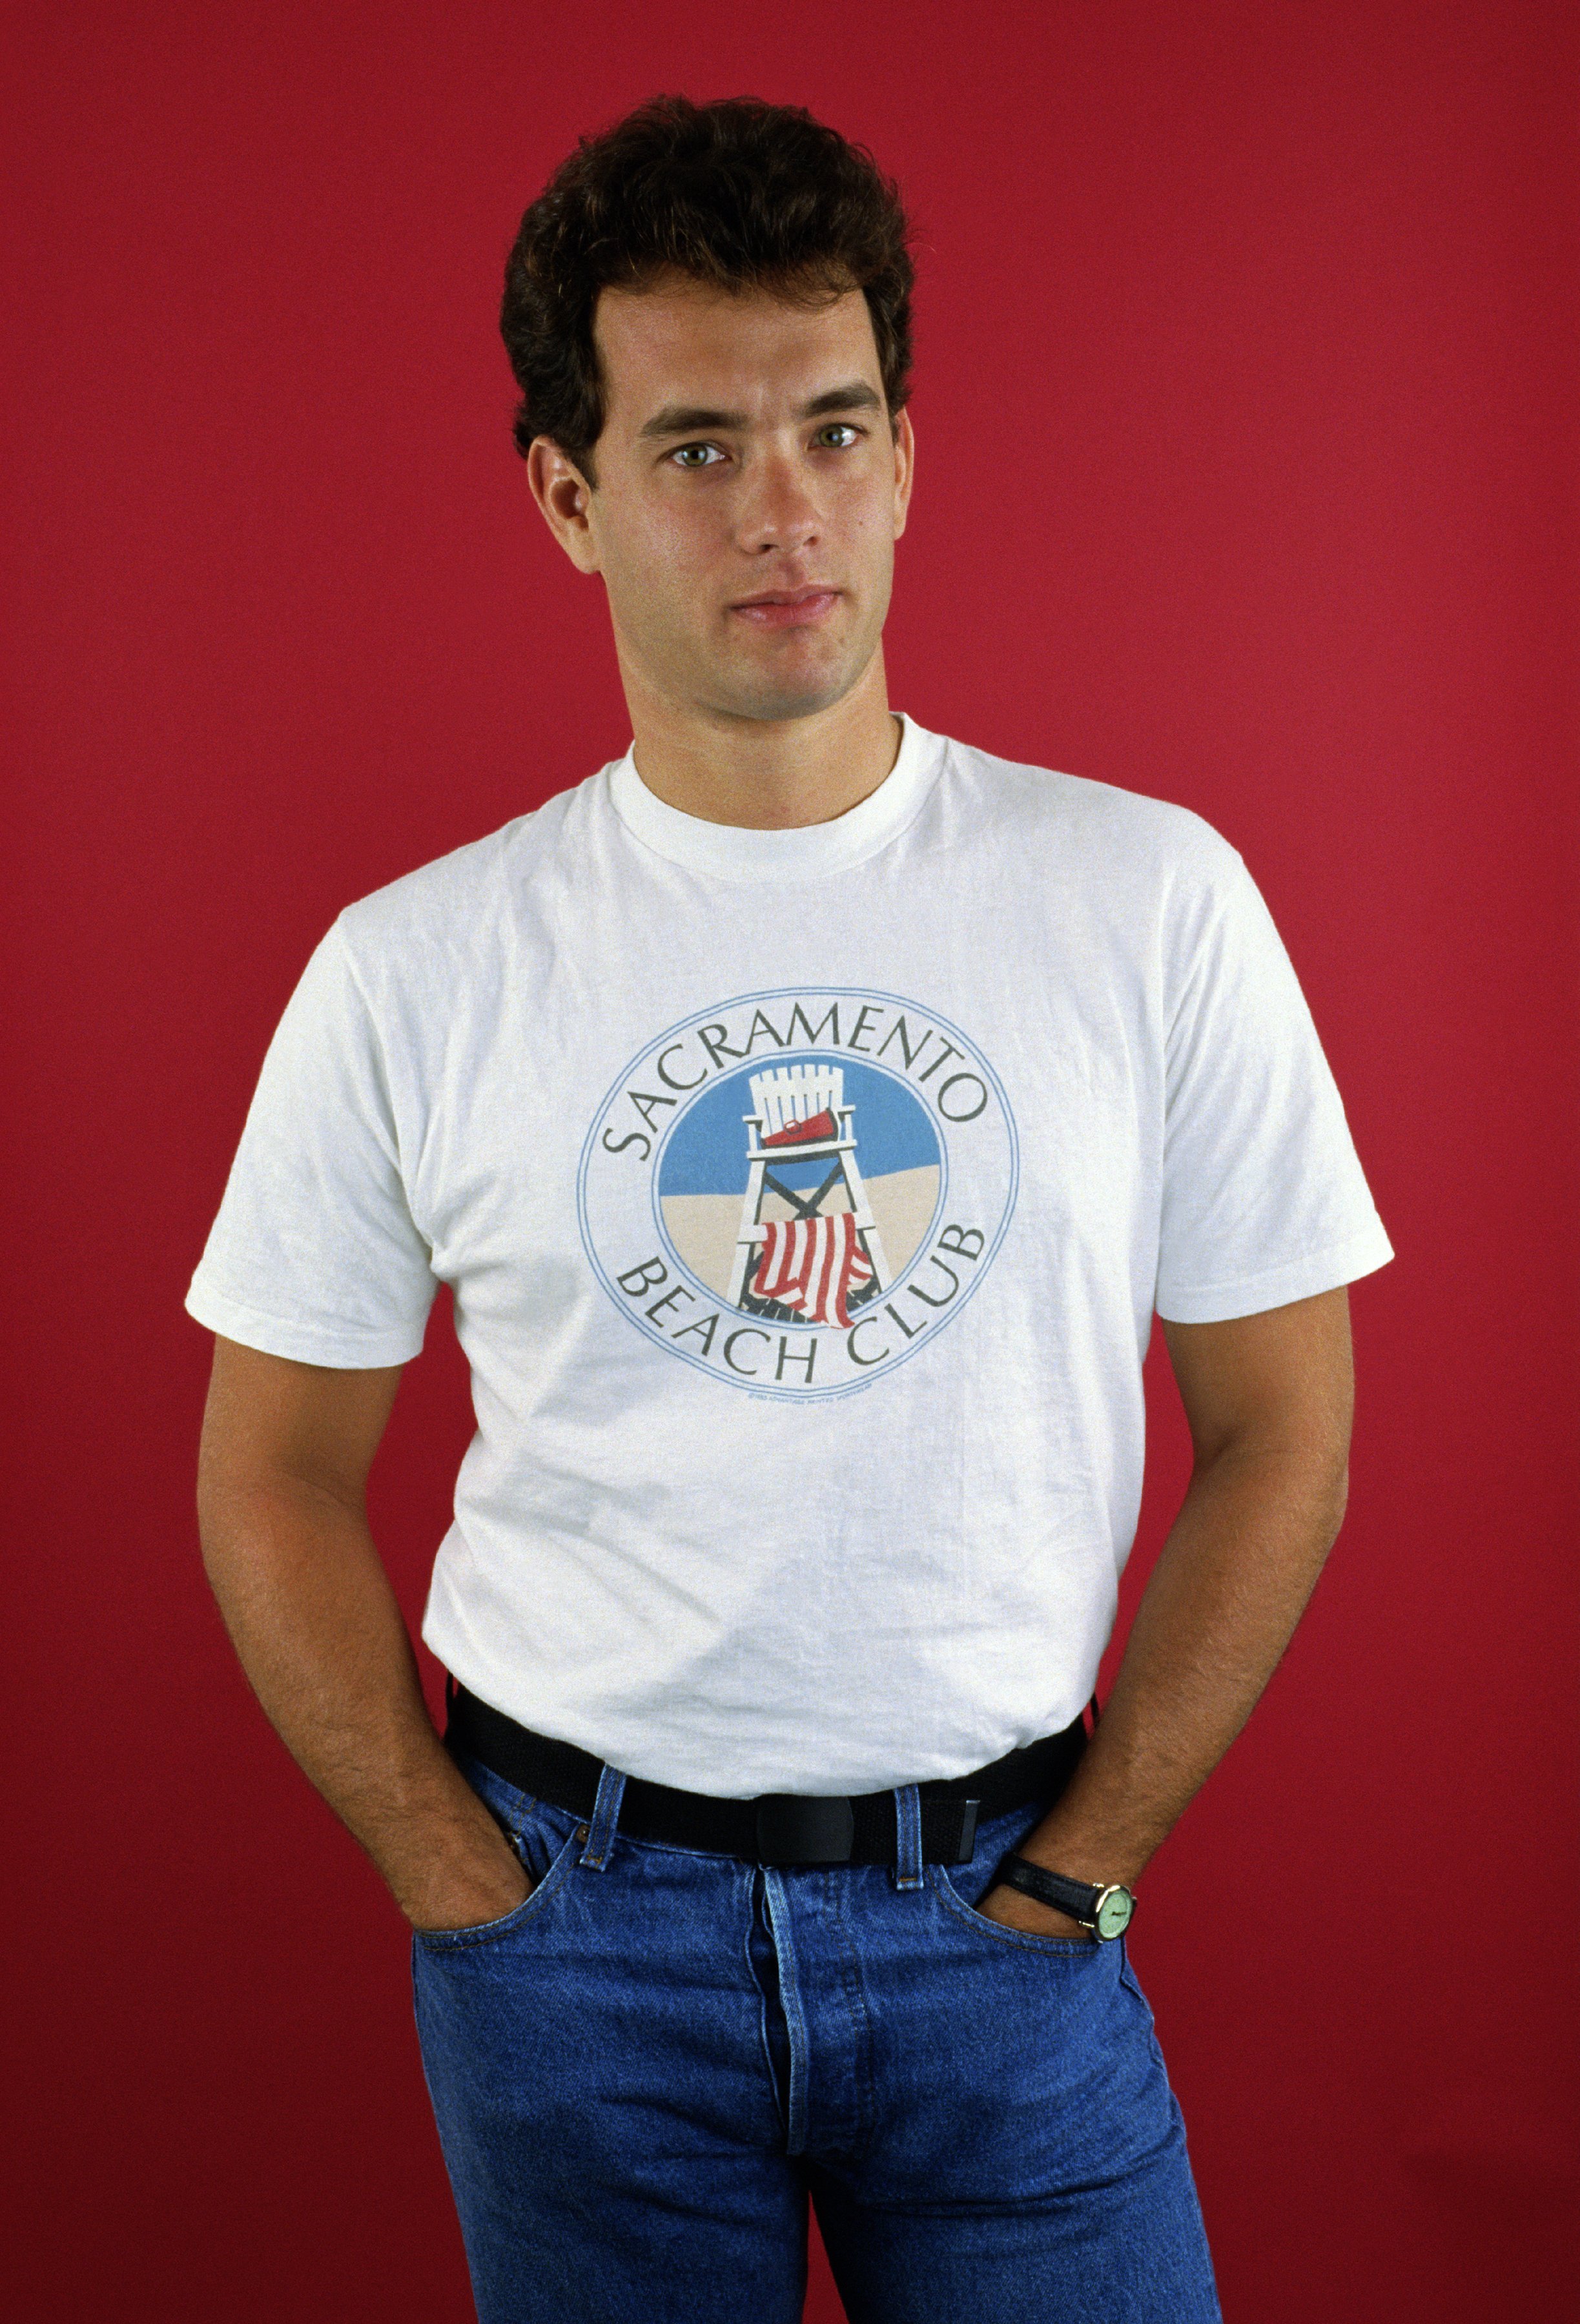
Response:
column 809, row 1114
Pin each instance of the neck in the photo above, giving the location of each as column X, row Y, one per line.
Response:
column 765, row 774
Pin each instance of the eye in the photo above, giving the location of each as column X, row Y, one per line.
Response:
column 842, row 429
column 695, row 455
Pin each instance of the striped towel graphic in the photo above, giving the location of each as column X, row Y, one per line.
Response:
column 811, row 1265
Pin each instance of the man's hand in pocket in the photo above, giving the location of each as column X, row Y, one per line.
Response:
column 464, row 1894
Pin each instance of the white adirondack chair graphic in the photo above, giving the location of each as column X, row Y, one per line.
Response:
column 786, row 1095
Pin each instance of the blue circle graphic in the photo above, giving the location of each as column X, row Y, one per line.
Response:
column 693, row 1186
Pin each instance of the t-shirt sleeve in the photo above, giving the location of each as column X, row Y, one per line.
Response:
column 1264, row 1197
column 314, row 1253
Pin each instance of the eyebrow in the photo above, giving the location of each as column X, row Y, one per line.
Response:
column 696, row 419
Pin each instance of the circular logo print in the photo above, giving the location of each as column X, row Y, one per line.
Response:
column 796, row 1190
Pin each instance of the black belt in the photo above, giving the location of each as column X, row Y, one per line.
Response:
column 780, row 1827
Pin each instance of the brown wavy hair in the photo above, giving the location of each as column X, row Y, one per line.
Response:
column 739, row 193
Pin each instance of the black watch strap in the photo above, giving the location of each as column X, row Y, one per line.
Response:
column 1078, row 1898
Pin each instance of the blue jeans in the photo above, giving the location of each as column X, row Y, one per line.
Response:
column 641, row 2074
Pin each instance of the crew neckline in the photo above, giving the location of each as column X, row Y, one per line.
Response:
column 729, row 851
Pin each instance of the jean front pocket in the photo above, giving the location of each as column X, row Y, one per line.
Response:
column 961, row 1887
column 995, row 1932
column 545, row 1838
column 538, row 1897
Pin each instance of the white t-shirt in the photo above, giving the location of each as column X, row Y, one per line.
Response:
column 805, row 1198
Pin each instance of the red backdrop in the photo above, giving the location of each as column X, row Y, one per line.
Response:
column 1244, row 405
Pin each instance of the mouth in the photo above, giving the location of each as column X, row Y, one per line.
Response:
column 786, row 609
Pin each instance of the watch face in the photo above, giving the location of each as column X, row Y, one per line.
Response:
column 1113, row 1910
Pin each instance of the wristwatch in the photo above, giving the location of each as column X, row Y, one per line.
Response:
column 1106, row 1912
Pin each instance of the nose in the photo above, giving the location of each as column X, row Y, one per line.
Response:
column 779, row 512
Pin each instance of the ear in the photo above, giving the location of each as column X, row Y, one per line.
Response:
column 563, row 494
column 904, row 470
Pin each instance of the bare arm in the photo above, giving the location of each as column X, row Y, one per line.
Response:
column 281, row 1510
column 1270, row 1399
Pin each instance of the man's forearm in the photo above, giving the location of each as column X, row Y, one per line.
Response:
column 312, row 1614
column 1220, row 1605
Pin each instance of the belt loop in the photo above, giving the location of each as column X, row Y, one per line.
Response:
column 907, row 1836
column 606, row 1817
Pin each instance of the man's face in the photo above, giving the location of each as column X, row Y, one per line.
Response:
column 750, row 493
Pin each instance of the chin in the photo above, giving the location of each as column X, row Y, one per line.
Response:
column 786, row 694
column 770, row 703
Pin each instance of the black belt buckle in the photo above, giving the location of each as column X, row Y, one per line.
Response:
column 795, row 1828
